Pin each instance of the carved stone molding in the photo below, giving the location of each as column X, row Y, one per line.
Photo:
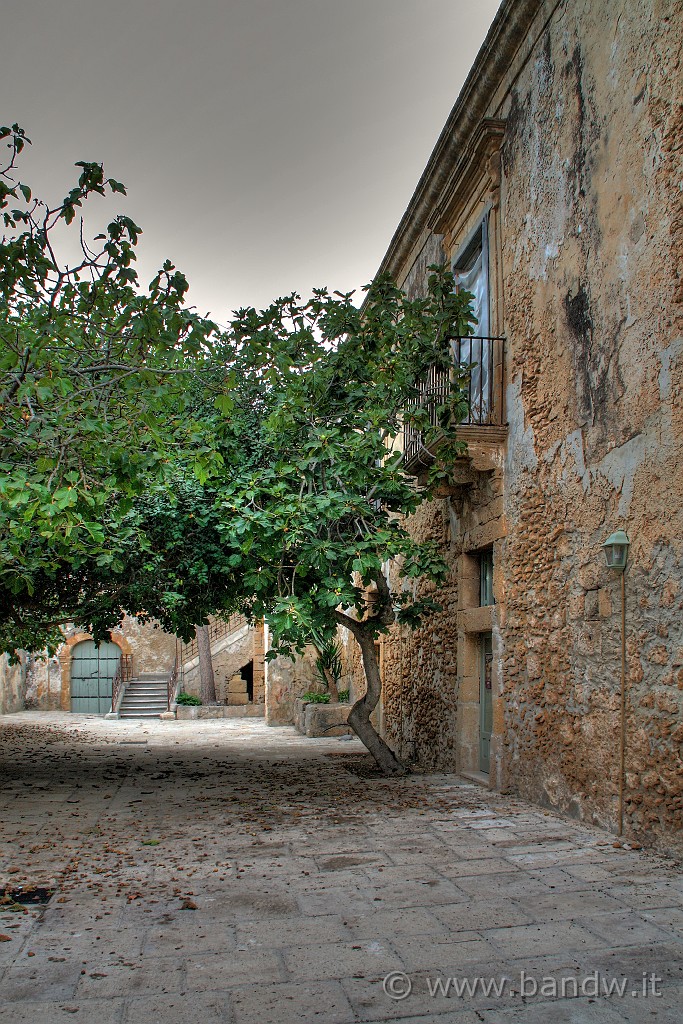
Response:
column 480, row 158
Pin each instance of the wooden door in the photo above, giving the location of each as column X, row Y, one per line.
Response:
column 485, row 701
column 92, row 672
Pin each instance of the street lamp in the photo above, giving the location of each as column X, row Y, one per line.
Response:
column 616, row 551
column 616, row 555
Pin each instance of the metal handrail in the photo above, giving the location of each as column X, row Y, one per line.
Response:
column 123, row 674
column 218, row 629
column 481, row 358
column 171, row 683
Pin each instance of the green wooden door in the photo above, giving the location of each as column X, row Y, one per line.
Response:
column 92, row 672
column 485, row 701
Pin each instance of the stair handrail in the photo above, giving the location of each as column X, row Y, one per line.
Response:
column 172, row 683
column 123, row 674
column 218, row 629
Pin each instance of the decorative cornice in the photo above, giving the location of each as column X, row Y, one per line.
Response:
column 507, row 33
column 475, row 159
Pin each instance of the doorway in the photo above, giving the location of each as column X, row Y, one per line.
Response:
column 485, row 701
column 92, row 673
column 247, row 673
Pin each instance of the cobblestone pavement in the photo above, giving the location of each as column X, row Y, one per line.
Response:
column 225, row 871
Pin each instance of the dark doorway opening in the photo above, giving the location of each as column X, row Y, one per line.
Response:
column 247, row 673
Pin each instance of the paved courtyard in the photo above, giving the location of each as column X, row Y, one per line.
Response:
column 225, row 871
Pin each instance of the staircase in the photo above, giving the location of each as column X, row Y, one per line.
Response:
column 145, row 697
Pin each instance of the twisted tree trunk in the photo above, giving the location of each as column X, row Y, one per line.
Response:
column 359, row 716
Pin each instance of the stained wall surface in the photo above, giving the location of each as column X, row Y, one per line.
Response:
column 13, row 683
column 592, row 245
column 585, row 198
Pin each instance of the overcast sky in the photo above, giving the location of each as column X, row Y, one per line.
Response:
column 267, row 145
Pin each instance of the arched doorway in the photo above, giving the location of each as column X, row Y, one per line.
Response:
column 92, row 671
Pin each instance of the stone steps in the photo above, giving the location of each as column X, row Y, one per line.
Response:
column 144, row 697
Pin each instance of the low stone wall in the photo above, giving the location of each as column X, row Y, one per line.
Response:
column 185, row 713
column 12, row 684
column 321, row 719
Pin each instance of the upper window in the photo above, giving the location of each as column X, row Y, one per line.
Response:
column 486, row 577
column 471, row 272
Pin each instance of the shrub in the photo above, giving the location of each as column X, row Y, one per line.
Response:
column 316, row 698
column 330, row 658
column 188, row 699
column 344, row 696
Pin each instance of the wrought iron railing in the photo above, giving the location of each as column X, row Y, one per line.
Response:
column 124, row 673
column 482, row 361
column 172, row 683
column 218, row 629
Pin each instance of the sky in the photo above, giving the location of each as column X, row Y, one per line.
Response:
column 267, row 146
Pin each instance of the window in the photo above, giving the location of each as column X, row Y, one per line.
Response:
column 471, row 272
column 486, row 577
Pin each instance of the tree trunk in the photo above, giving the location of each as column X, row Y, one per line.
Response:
column 359, row 716
column 206, row 679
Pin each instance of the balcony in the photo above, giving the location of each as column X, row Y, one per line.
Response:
column 483, row 358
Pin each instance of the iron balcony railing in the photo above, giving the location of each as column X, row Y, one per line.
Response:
column 482, row 359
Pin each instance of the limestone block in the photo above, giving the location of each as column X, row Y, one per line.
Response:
column 591, row 604
column 469, row 689
column 238, row 698
column 327, row 719
column 300, row 715
column 237, row 691
column 476, row 620
column 186, row 713
column 604, row 602
column 210, row 711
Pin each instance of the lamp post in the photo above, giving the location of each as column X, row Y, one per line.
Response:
column 616, row 555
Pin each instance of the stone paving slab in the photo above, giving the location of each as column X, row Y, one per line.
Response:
column 225, row 871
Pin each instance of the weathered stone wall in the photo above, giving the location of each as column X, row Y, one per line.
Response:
column 285, row 681
column 227, row 660
column 49, row 680
column 13, row 683
column 44, row 682
column 586, row 233
column 153, row 650
column 420, row 666
column 593, row 249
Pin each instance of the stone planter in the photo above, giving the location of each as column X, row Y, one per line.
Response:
column 300, row 715
column 321, row 719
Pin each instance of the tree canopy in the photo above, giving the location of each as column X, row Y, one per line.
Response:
column 159, row 466
column 94, row 396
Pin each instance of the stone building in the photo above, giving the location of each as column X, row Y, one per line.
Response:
column 80, row 677
column 555, row 194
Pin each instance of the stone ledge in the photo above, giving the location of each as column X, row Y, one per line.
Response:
column 477, row 620
column 185, row 713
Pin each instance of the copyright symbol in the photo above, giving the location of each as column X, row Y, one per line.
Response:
column 397, row 985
